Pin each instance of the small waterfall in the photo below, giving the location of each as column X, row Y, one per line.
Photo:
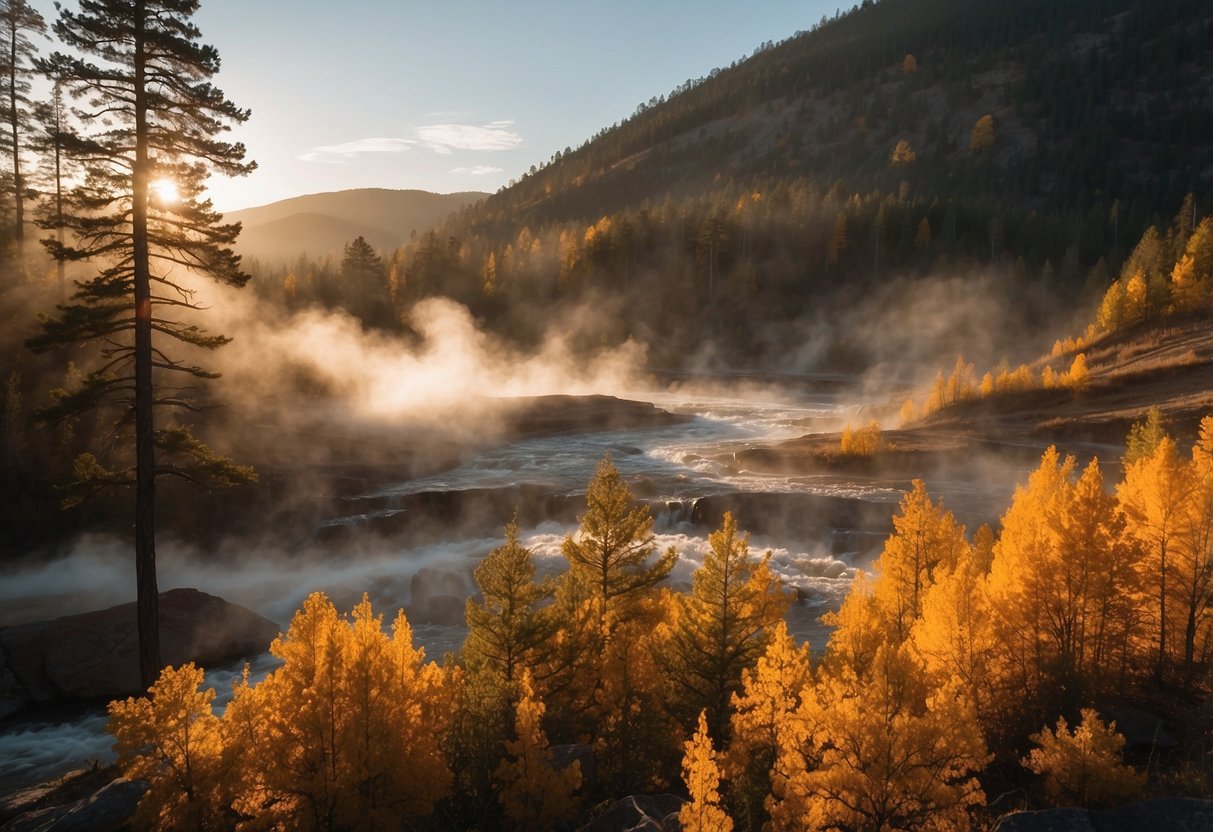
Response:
column 672, row 515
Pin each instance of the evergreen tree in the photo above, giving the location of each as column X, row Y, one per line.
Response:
column 506, row 628
column 18, row 20
column 159, row 118
column 612, row 550
column 721, row 628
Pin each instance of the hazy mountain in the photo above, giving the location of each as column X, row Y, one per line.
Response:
column 1092, row 102
column 318, row 224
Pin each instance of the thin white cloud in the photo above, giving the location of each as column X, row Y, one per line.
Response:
column 341, row 153
column 447, row 138
column 477, row 170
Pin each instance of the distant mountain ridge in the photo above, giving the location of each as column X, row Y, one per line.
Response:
column 320, row 224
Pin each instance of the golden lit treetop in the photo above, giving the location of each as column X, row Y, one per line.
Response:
column 611, row 552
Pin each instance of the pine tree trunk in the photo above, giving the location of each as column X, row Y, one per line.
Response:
column 145, row 447
column 18, row 185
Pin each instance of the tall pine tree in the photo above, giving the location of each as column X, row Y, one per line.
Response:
column 18, row 20
column 160, row 120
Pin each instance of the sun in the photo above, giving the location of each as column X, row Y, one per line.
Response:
column 165, row 192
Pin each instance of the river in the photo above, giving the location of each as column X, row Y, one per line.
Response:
column 684, row 472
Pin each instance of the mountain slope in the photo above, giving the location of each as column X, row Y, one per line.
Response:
column 1092, row 100
column 1026, row 141
column 318, row 224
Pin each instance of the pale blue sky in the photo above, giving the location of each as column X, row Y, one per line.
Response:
column 455, row 95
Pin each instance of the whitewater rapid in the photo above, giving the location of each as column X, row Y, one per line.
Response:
column 668, row 466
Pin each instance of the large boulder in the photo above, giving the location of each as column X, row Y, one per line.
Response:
column 95, row 655
column 109, row 809
column 639, row 813
column 1174, row 814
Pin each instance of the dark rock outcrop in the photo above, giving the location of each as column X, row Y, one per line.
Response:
column 1174, row 814
column 639, row 813
column 87, row 800
column 94, row 655
column 109, row 809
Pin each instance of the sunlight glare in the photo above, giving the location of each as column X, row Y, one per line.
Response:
column 165, row 191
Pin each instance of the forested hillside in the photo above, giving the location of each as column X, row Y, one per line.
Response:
column 1030, row 140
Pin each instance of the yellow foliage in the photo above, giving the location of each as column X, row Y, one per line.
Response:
column 763, row 718
column 909, row 65
column 858, row 629
column 862, row 441
column 703, row 813
column 534, row 794
column 925, row 538
column 1078, row 377
column 909, row 411
column 903, row 154
column 954, row 638
column 1061, row 586
column 1084, row 768
column 1157, row 495
column 347, row 731
column 987, row 385
column 171, row 740
column 983, row 134
column 883, row 751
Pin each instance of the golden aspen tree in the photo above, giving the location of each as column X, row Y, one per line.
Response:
column 1113, row 314
column 1154, row 495
column 171, row 740
column 953, row 638
column 902, row 154
column 889, row 753
column 1060, row 589
column 937, row 399
column 703, row 813
column 1086, row 767
column 982, row 136
column 346, row 731
column 986, row 388
column 924, row 537
column 534, row 794
column 959, row 385
column 858, row 628
column 763, row 712
column 721, row 628
column 1078, row 377
column 1017, row 590
column 1144, row 436
column 1136, row 307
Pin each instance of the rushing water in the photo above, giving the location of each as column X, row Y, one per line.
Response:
column 670, row 466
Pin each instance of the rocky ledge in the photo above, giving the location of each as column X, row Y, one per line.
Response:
column 1174, row 814
column 95, row 655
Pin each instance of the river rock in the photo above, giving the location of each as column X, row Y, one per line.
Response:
column 1174, row 814
column 96, row 654
column 109, row 809
column 639, row 813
